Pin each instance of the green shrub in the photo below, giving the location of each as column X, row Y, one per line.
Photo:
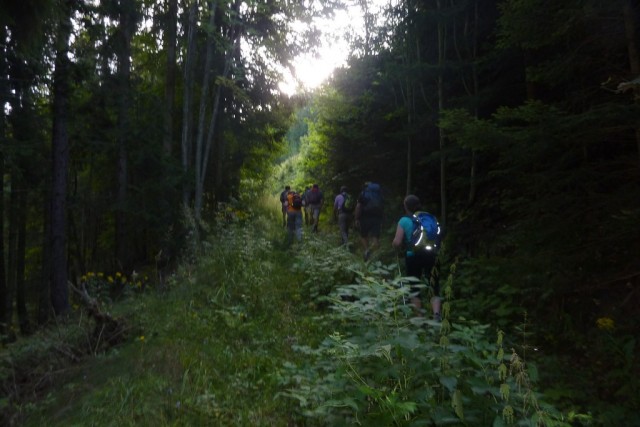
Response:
column 383, row 367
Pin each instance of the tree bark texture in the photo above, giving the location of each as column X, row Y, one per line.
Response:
column 126, row 29
column 4, row 97
column 207, row 76
column 21, row 298
column 442, row 46
column 186, row 140
column 60, row 162
column 631, row 32
column 170, row 77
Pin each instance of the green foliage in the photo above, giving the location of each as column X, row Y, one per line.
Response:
column 323, row 267
column 383, row 367
column 250, row 332
column 106, row 288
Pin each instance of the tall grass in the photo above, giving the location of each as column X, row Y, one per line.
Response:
column 252, row 331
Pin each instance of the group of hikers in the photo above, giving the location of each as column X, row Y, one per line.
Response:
column 417, row 233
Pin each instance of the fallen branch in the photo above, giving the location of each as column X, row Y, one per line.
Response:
column 108, row 329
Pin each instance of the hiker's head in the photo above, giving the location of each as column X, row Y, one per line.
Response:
column 412, row 203
column 287, row 188
column 343, row 189
column 315, row 186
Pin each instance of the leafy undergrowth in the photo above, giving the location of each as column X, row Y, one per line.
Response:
column 259, row 333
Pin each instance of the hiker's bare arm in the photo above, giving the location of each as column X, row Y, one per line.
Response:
column 398, row 238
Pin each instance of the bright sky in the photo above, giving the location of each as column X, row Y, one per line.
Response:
column 310, row 70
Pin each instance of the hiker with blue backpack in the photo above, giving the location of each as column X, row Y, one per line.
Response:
column 368, row 215
column 418, row 235
column 315, row 200
column 306, row 208
column 343, row 207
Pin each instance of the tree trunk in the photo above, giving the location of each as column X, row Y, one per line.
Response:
column 186, row 101
column 170, row 79
column 407, row 92
column 126, row 29
column 631, row 31
column 12, row 244
column 233, row 36
column 440, row 89
column 204, row 92
column 44, row 290
column 475, row 89
column 60, row 161
column 4, row 98
column 212, row 128
column 21, row 300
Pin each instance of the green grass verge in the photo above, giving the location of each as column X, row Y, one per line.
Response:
column 205, row 349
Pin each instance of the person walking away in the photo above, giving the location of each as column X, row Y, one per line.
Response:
column 315, row 199
column 294, row 216
column 283, row 202
column 368, row 215
column 414, row 237
column 343, row 207
column 305, row 206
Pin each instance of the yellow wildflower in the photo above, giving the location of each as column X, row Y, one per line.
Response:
column 605, row 323
column 110, row 279
column 101, row 274
column 118, row 274
column 141, row 338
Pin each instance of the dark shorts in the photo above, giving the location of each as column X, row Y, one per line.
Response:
column 420, row 265
column 370, row 227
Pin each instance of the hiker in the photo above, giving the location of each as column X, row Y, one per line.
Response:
column 343, row 207
column 305, row 206
column 419, row 260
column 294, row 216
column 368, row 216
column 315, row 199
column 283, row 202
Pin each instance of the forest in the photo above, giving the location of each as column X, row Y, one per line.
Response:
column 145, row 278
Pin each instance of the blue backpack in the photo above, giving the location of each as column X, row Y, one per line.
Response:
column 371, row 200
column 426, row 232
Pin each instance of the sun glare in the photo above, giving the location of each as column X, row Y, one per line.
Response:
column 310, row 70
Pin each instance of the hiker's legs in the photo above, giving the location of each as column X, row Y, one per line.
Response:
column 374, row 233
column 316, row 216
column 436, row 306
column 291, row 226
column 424, row 265
column 434, row 275
column 343, row 224
column 413, row 268
column 370, row 231
column 298, row 225
column 284, row 216
column 364, row 236
column 417, row 305
column 374, row 242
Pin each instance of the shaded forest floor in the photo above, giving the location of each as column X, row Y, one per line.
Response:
column 247, row 333
column 204, row 348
